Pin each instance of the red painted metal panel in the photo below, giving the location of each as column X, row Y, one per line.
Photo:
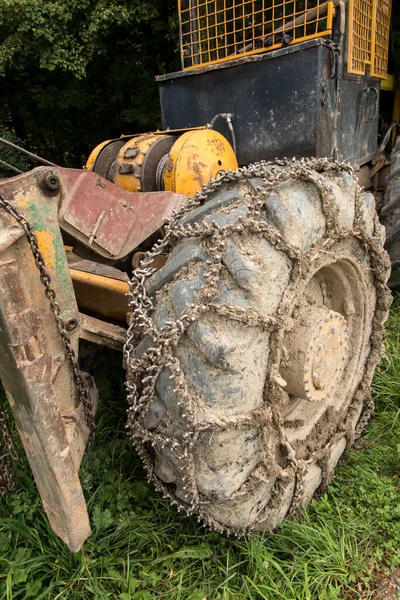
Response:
column 110, row 220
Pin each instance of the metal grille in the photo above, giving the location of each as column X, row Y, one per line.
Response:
column 218, row 30
column 369, row 28
column 381, row 42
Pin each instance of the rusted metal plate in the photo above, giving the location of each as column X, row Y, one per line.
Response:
column 111, row 221
column 90, row 266
column 34, row 369
column 102, row 333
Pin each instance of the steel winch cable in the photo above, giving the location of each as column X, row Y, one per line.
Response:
column 11, row 167
column 30, row 154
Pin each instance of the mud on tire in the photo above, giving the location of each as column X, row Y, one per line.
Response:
column 273, row 301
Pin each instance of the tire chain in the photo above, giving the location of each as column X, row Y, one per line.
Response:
column 7, row 477
column 142, row 372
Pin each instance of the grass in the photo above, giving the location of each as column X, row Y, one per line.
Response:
column 141, row 548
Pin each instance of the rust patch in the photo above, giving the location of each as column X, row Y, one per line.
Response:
column 217, row 145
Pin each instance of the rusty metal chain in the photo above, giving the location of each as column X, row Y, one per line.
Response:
column 50, row 294
column 368, row 409
column 143, row 370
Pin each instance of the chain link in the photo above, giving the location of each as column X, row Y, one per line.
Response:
column 50, row 294
column 143, row 370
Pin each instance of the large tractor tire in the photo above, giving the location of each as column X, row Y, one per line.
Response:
column 253, row 372
column 390, row 216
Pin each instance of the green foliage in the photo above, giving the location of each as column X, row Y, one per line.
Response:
column 66, row 35
column 142, row 549
column 75, row 73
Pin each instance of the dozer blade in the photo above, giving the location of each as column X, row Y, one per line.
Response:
column 34, row 368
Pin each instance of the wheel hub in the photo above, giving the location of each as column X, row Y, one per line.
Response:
column 316, row 351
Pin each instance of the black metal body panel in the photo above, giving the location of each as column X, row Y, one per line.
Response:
column 359, row 119
column 290, row 102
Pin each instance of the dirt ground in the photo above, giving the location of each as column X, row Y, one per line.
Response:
column 388, row 586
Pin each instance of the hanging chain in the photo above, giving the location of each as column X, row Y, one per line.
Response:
column 50, row 294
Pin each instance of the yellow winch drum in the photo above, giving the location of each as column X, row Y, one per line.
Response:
column 181, row 161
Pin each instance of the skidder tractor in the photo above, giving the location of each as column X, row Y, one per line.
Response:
column 249, row 301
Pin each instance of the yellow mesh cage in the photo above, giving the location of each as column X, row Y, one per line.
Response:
column 369, row 29
column 381, row 40
column 213, row 31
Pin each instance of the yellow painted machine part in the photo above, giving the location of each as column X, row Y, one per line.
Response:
column 195, row 158
column 91, row 161
column 368, row 38
column 102, row 295
column 390, row 84
column 131, row 181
